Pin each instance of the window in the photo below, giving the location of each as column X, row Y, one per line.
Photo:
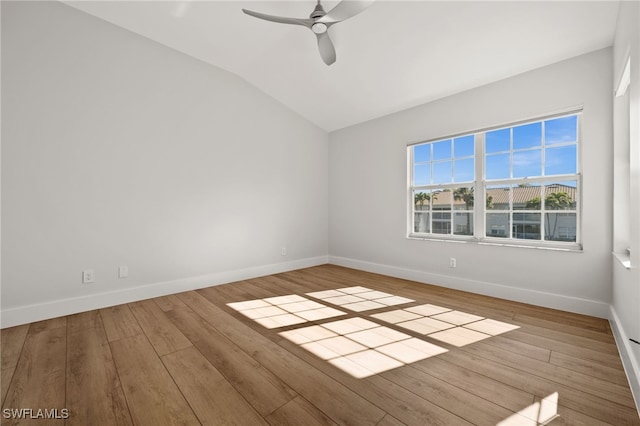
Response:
column 527, row 174
column 441, row 204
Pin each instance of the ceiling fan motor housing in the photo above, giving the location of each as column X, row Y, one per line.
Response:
column 318, row 12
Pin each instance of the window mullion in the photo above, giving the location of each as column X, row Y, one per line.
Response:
column 479, row 188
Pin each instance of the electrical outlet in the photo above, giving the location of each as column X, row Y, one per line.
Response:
column 283, row 251
column 123, row 271
column 88, row 276
column 452, row 262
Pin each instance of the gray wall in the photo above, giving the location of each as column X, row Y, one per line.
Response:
column 117, row 150
column 368, row 191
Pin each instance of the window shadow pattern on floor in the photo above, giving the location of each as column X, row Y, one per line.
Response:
column 359, row 346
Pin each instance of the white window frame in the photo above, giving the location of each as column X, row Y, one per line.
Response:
column 480, row 185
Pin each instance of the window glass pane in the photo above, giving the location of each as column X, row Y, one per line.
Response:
column 463, row 198
column 560, row 196
column 560, row 160
column 526, row 226
column 421, row 200
column 463, row 224
column 527, row 163
column 560, row 130
column 498, row 197
column 422, row 174
column 442, row 150
column 440, row 200
column 560, row 227
column 442, row 172
column 527, row 136
column 421, row 222
column 422, row 153
column 498, row 225
column 464, row 146
column 497, row 166
column 527, row 197
column 463, row 170
column 498, row 140
column 441, row 223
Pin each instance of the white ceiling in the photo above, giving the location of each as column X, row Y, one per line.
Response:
column 392, row 56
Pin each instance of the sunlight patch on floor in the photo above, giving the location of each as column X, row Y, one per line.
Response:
column 359, row 298
column 361, row 347
column 456, row 328
column 281, row 311
column 536, row 414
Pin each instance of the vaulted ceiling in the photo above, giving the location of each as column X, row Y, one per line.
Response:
column 392, row 56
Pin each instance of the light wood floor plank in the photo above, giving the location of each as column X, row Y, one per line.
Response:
column 396, row 400
column 94, row 394
column 212, row 398
column 593, row 385
column 480, row 385
column 261, row 388
column 119, row 322
column 389, row 420
column 166, row 303
column 163, row 335
column 39, row 379
column 604, row 336
column 297, row 412
column 595, row 369
column 12, row 341
column 566, row 338
column 152, row 395
column 449, row 397
column 569, row 417
column 570, row 397
column 519, row 347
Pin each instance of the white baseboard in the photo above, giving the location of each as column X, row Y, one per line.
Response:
column 631, row 366
column 41, row 311
column 533, row 297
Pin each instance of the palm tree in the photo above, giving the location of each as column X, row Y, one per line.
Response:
column 553, row 201
column 489, row 202
column 466, row 195
column 420, row 198
column 556, row 201
column 533, row 204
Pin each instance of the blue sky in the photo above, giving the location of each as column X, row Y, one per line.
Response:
column 521, row 148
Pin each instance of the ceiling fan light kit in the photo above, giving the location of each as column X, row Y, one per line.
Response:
column 320, row 21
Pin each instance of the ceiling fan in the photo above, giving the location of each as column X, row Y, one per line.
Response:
column 319, row 22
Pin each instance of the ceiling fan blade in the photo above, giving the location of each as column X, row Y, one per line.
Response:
column 280, row 19
column 327, row 51
column 344, row 10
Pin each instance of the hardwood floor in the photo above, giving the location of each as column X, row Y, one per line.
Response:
column 192, row 359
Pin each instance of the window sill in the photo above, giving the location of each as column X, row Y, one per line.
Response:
column 574, row 248
column 623, row 258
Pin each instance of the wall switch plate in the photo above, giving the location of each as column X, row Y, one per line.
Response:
column 123, row 271
column 88, row 276
column 283, row 251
